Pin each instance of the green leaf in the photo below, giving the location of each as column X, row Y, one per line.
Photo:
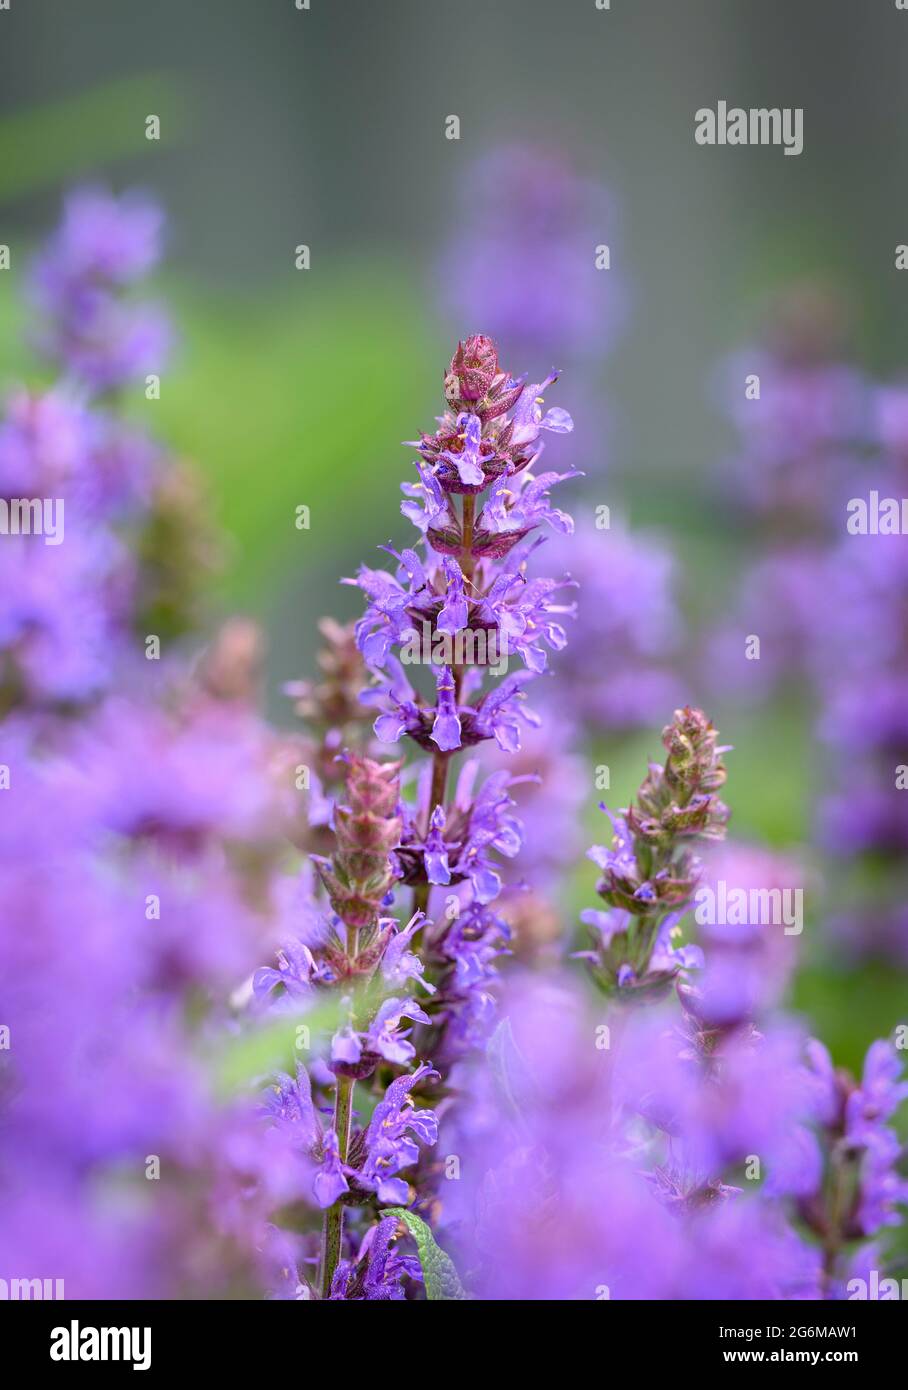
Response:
column 441, row 1278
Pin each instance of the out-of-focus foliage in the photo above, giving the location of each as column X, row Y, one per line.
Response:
column 66, row 139
column 262, row 401
column 292, row 402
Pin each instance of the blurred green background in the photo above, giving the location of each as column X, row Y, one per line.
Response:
column 325, row 126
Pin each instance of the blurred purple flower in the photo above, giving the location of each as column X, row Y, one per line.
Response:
column 88, row 326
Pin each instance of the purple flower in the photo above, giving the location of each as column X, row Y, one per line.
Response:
column 129, row 806
column 288, row 1104
column 592, row 1172
column 749, row 963
column 469, row 951
column 294, row 974
column 393, row 1137
column 64, row 611
column 329, row 1180
column 446, row 726
column 863, row 1151
column 346, row 1047
column 384, row 1034
column 491, row 826
column 867, row 1109
column 467, row 460
column 43, row 443
column 104, row 245
column 800, row 436
column 528, row 419
column 379, row 1271
column 523, row 206
column 399, row 964
column 626, row 606
column 460, row 842
column 437, row 865
column 386, row 1268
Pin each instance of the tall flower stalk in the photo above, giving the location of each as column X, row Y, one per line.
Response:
column 723, row 1081
column 463, row 602
column 363, row 959
column 477, row 503
column 651, row 871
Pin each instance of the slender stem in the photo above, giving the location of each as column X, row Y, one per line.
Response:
column 466, row 556
column 841, row 1173
column 439, row 781
column 333, row 1229
column 441, row 760
column 436, row 798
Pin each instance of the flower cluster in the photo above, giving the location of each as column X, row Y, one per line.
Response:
column 523, row 207
column 121, row 542
column 851, row 1185
column 474, row 577
column 700, row 1148
column 651, row 871
column 862, row 819
column 334, row 722
column 627, row 607
column 651, row 1124
column 826, row 599
column 88, row 323
column 603, row 1159
column 478, row 504
column 467, row 575
column 138, row 825
column 349, row 951
column 800, row 407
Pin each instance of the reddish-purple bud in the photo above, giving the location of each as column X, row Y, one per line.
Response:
column 367, row 830
column 473, row 369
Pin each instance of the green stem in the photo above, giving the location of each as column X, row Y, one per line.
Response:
column 840, row 1194
column 333, row 1229
column 466, row 558
column 437, row 795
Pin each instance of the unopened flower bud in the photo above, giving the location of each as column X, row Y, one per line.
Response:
column 473, row 369
column 361, row 872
